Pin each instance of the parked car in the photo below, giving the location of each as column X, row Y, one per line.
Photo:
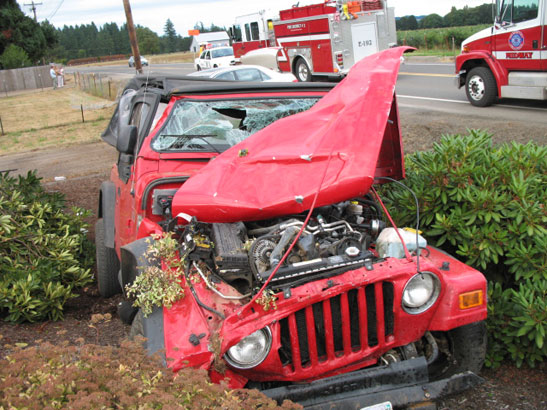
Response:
column 291, row 281
column 131, row 61
column 215, row 57
column 245, row 73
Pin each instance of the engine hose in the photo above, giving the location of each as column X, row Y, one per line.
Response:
column 434, row 348
column 263, row 231
column 286, row 238
column 198, row 301
column 371, row 203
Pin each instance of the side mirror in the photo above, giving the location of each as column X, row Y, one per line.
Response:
column 231, row 33
column 127, row 139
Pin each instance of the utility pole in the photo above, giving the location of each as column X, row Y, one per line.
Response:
column 132, row 36
column 33, row 8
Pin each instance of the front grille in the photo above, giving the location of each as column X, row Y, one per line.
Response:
column 350, row 322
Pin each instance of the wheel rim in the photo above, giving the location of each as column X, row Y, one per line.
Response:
column 303, row 72
column 476, row 87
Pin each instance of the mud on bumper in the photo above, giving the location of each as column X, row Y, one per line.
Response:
column 403, row 384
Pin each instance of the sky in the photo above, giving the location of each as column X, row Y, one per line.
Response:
column 185, row 13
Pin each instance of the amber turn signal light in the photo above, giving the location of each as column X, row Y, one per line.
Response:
column 470, row 299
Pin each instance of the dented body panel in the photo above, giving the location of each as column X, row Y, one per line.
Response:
column 334, row 146
column 280, row 236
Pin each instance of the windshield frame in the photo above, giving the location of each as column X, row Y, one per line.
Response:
column 220, row 149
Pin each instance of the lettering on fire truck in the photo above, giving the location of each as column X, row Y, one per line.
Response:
column 365, row 43
column 296, row 26
column 519, row 55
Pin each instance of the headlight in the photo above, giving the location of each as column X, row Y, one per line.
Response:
column 421, row 292
column 251, row 350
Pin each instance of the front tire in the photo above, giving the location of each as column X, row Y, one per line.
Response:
column 480, row 87
column 302, row 71
column 465, row 350
column 198, row 68
column 137, row 326
column 108, row 264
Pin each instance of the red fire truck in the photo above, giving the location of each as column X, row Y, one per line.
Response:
column 509, row 59
column 321, row 39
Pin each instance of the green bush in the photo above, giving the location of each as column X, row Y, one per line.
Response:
column 517, row 323
column 487, row 206
column 437, row 37
column 44, row 252
column 104, row 377
column 14, row 57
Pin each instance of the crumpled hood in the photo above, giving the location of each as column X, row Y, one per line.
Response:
column 334, row 147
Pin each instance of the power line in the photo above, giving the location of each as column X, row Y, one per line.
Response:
column 56, row 9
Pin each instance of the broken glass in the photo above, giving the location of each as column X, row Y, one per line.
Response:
column 222, row 123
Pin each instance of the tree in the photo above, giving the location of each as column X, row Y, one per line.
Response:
column 52, row 39
column 14, row 57
column 432, row 21
column 412, row 23
column 20, row 30
column 149, row 42
column 170, row 36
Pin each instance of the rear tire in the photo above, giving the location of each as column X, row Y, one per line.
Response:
column 480, row 87
column 302, row 71
column 108, row 264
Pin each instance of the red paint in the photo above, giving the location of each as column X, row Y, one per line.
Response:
column 343, row 128
column 483, row 57
column 357, row 123
column 241, row 48
column 444, row 315
column 508, row 47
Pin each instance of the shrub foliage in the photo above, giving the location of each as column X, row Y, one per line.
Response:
column 487, row 205
column 44, row 253
column 437, row 37
column 106, row 377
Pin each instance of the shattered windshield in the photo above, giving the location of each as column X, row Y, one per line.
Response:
column 206, row 126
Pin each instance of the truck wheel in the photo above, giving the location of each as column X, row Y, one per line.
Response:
column 302, row 71
column 481, row 87
column 464, row 349
column 108, row 264
column 198, row 68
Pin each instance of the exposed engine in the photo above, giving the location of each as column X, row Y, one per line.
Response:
column 336, row 239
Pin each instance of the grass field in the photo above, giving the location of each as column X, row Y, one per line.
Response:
column 42, row 119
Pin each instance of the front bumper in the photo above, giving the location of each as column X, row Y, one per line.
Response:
column 402, row 383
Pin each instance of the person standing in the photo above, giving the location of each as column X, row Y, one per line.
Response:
column 61, row 77
column 53, row 75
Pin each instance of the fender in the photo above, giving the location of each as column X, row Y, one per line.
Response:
column 466, row 61
column 107, row 203
column 295, row 59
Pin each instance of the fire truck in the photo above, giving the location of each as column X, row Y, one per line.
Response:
column 509, row 59
column 320, row 39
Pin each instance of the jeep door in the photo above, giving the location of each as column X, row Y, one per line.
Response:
column 143, row 107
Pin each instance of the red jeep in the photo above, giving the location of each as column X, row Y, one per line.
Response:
column 302, row 290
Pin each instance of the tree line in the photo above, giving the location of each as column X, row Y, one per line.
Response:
column 24, row 42
column 467, row 16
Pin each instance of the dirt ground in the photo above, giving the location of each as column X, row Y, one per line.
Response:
column 94, row 319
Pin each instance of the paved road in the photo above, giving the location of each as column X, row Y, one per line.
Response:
column 425, row 86
column 431, row 86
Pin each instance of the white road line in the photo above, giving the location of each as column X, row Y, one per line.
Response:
column 465, row 102
column 437, row 64
column 431, row 99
